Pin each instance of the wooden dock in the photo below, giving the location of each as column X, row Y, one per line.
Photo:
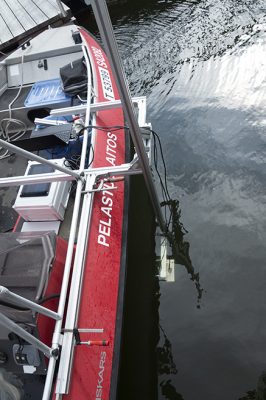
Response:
column 21, row 18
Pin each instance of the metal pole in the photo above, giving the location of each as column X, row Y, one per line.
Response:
column 13, row 298
column 105, row 27
column 34, row 179
column 13, row 327
column 101, row 106
column 34, row 157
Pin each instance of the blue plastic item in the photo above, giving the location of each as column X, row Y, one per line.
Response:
column 47, row 92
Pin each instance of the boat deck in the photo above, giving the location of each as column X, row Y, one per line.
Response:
column 19, row 19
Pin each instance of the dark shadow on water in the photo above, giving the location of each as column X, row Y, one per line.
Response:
column 169, row 391
column 138, row 377
column 146, row 350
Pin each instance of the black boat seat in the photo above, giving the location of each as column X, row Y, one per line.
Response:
column 25, row 261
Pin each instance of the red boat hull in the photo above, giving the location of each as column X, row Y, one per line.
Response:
column 95, row 368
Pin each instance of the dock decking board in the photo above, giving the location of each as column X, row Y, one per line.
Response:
column 21, row 14
column 5, row 33
column 11, row 20
column 36, row 13
column 21, row 17
column 48, row 7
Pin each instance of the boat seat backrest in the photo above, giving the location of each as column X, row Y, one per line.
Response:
column 25, row 269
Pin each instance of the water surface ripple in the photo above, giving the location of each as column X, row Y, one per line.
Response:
column 202, row 65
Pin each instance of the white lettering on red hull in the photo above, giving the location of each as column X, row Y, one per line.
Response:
column 107, row 86
column 106, row 219
column 111, row 148
column 105, row 223
column 99, row 389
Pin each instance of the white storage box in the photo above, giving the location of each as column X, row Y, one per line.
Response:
column 44, row 201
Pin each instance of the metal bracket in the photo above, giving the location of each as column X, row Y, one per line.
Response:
column 84, row 330
column 100, row 188
column 76, row 333
column 109, row 173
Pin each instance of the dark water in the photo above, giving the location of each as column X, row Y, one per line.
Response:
column 202, row 65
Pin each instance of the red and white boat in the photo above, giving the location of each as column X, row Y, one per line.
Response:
column 63, row 267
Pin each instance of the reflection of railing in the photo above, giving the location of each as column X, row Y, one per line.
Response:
column 167, row 366
column 180, row 247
